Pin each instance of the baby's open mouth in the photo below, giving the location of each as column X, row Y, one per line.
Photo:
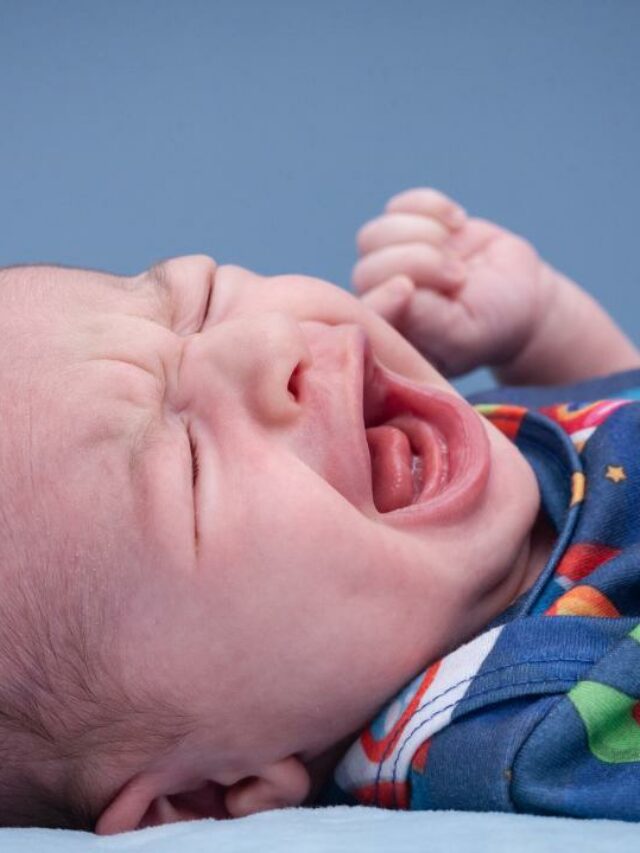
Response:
column 409, row 462
column 430, row 455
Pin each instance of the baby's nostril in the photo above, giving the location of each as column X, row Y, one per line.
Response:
column 294, row 383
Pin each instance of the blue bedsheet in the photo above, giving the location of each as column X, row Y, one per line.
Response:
column 345, row 829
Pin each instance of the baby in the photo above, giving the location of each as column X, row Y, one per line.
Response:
column 240, row 514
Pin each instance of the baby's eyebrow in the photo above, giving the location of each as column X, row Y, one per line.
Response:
column 161, row 289
column 158, row 276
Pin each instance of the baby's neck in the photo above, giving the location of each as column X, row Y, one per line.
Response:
column 541, row 543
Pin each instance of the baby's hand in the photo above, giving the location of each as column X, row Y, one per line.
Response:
column 463, row 291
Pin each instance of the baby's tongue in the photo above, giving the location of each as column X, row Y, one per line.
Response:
column 391, row 467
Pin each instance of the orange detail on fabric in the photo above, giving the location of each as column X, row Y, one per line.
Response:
column 591, row 414
column 506, row 418
column 577, row 487
column 583, row 601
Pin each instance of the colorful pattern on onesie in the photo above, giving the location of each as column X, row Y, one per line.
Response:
column 540, row 712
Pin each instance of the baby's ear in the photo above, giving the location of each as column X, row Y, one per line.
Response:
column 281, row 785
column 144, row 801
column 140, row 803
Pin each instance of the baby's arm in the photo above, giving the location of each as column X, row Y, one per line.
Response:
column 467, row 293
column 576, row 340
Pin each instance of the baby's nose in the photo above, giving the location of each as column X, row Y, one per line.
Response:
column 276, row 356
column 260, row 358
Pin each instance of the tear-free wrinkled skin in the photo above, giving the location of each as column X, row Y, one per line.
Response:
column 302, row 609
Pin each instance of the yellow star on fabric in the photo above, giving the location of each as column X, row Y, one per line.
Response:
column 615, row 473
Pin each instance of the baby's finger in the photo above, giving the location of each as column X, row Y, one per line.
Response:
column 426, row 201
column 426, row 265
column 399, row 228
column 390, row 299
column 441, row 329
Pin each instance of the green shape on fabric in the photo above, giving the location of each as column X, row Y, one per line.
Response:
column 635, row 634
column 614, row 735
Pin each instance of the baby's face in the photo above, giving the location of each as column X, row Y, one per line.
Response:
column 272, row 591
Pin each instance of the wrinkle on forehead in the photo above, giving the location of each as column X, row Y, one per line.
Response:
column 119, row 387
column 150, row 292
column 87, row 315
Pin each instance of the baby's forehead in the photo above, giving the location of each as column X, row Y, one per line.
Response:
column 83, row 374
column 68, row 316
column 56, row 285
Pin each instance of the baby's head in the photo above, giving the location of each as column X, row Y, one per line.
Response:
column 177, row 646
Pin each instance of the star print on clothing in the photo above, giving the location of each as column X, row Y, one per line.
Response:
column 615, row 473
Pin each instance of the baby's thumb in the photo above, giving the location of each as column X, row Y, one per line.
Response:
column 390, row 298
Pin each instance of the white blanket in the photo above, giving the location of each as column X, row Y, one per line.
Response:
column 345, row 829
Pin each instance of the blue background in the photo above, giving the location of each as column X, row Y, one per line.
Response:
column 265, row 133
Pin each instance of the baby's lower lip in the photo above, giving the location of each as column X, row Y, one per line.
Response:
column 464, row 453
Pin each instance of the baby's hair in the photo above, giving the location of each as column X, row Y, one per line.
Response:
column 66, row 718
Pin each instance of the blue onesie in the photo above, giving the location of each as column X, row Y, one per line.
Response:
column 540, row 712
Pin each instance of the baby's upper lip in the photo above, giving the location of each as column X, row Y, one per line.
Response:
column 356, row 485
column 362, row 381
column 343, row 359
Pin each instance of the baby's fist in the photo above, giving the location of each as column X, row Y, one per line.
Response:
column 463, row 291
